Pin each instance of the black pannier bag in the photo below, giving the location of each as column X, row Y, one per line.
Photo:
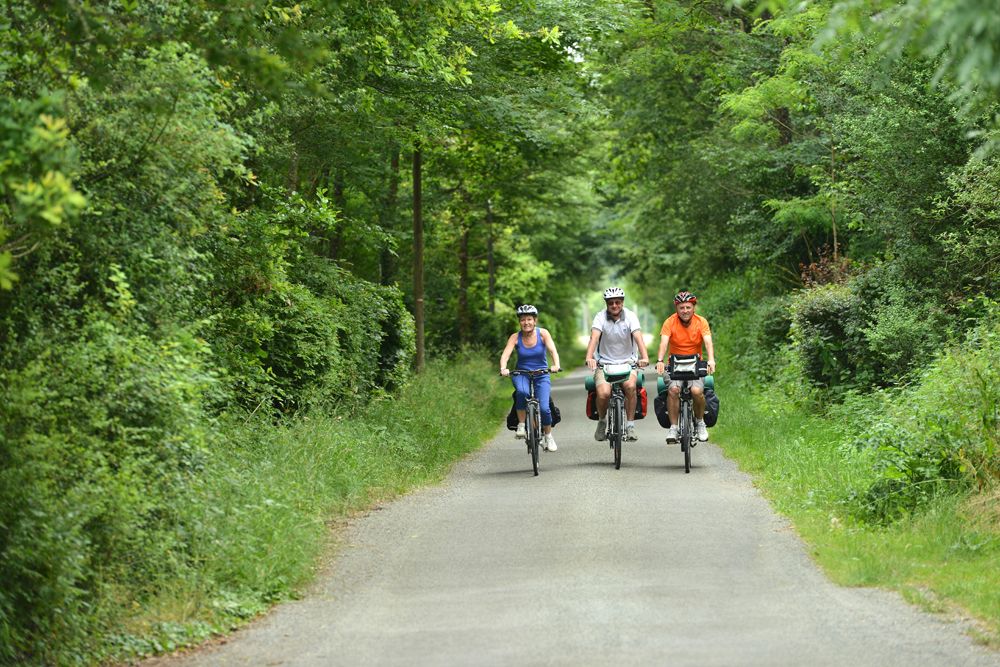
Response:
column 512, row 415
column 711, row 408
column 660, row 410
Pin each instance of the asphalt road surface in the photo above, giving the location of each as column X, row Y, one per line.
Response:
column 587, row 565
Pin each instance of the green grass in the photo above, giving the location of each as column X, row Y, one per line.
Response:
column 946, row 558
column 266, row 509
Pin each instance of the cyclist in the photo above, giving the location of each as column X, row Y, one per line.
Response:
column 531, row 342
column 684, row 332
column 615, row 338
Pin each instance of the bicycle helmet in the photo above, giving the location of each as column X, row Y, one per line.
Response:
column 527, row 309
column 614, row 293
column 685, row 296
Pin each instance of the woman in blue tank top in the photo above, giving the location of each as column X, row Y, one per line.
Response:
column 532, row 343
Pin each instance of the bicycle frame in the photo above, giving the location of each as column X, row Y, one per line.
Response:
column 532, row 416
column 685, row 426
column 616, row 418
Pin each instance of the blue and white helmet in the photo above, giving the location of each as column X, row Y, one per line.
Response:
column 527, row 309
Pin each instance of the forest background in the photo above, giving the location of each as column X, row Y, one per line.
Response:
column 231, row 231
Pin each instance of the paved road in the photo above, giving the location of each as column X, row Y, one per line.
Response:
column 586, row 565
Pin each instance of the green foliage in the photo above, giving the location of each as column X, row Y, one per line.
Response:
column 825, row 331
column 940, row 435
column 103, row 435
column 265, row 500
column 37, row 163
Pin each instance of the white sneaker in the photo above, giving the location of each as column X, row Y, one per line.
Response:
column 520, row 433
column 672, row 434
column 601, row 434
column 550, row 443
column 701, row 431
column 630, row 433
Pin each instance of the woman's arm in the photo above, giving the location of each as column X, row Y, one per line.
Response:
column 507, row 351
column 550, row 345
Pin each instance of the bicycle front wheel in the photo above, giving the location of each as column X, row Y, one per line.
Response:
column 534, row 436
column 618, row 431
column 687, row 429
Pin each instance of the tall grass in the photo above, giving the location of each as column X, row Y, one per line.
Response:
column 945, row 557
column 264, row 508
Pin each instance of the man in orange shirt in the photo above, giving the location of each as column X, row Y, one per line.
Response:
column 685, row 333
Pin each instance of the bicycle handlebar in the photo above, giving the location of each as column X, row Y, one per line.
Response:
column 540, row 371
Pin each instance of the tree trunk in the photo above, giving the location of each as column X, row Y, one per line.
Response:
column 464, row 323
column 387, row 263
column 418, row 260
column 490, row 265
column 783, row 119
column 292, row 177
column 340, row 201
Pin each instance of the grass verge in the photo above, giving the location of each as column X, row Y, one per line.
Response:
column 945, row 559
column 264, row 508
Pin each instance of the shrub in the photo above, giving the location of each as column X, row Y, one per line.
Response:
column 100, row 438
column 939, row 435
column 825, row 325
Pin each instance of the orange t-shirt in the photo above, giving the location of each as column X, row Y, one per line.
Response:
column 685, row 339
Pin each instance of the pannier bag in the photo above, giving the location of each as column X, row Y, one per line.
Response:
column 592, row 405
column 641, row 402
column 660, row 410
column 512, row 415
column 711, row 408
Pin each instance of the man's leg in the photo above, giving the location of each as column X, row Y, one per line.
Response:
column 698, row 398
column 629, row 387
column 603, row 390
column 674, row 410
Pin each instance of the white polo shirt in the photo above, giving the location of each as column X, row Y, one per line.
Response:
column 616, row 345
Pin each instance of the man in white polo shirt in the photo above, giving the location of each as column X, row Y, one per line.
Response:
column 615, row 338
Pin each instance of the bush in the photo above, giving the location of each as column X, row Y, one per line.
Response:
column 940, row 435
column 292, row 329
column 825, row 333
column 101, row 436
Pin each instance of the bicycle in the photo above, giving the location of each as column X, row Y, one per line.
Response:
column 685, row 369
column 616, row 375
column 532, row 416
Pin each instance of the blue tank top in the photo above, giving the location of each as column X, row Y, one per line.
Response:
column 531, row 358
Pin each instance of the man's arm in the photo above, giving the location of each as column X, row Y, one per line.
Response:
column 664, row 346
column 641, row 344
column 595, row 335
column 710, row 349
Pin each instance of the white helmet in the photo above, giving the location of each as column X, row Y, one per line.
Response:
column 527, row 309
column 614, row 293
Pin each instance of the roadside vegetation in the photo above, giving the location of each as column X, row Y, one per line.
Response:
column 825, row 175
column 893, row 488
column 232, row 232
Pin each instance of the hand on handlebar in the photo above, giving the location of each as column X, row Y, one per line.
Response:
column 592, row 364
column 555, row 369
column 505, row 372
column 643, row 363
column 711, row 367
column 660, row 367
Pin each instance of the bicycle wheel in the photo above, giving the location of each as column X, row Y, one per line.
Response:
column 617, row 432
column 533, row 434
column 686, row 430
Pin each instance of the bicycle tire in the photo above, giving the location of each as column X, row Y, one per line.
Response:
column 532, row 432
column 687, row 429
column 618, row 431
